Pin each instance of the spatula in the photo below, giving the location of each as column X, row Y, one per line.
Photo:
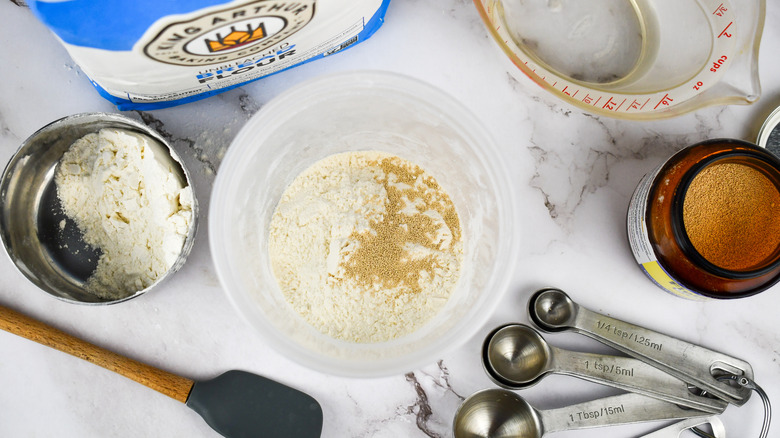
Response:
column 235, row 404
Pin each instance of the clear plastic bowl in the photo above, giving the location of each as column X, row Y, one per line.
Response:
column 350, row 112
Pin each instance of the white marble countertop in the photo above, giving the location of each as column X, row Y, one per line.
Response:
column 573, row 175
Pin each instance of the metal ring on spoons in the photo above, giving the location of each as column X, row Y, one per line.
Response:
column 495, row 413
column 749, row 384
column 515, row 356
column 552, row 310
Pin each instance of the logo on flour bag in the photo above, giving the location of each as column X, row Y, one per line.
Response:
column 230, row 34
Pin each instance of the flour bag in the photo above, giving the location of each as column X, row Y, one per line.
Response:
column 149, row 54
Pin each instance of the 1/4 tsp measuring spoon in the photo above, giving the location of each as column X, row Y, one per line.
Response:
column 494, row 413
column 552, row 310
column 516, row 356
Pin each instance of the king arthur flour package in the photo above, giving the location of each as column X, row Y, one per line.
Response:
column 148, row 54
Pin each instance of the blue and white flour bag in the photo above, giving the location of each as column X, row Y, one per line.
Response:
column 148, row 54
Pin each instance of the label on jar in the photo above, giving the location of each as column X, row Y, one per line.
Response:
column 148, row 54
column 639, row 240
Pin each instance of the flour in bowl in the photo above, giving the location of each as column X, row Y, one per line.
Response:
column 125, row 194
column 366, row 246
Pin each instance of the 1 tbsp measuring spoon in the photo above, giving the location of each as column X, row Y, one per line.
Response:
column 516, row 356
column 553, row 311
column 492, row 413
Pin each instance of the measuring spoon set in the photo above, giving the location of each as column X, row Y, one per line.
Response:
column 665, row 378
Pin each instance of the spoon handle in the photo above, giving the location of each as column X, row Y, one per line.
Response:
column 674, row 430
column 172, row 385
column 609, row 411
column 689, row 362
column 553, row 310
column 631, row 375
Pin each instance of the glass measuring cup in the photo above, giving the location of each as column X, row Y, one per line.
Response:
column 634, row 59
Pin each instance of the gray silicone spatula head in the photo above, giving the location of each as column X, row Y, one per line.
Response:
column 238, row 404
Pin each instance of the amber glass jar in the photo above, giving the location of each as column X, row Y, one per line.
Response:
column 706, row 223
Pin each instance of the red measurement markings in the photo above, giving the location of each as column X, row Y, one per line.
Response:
column 587, row 99
column 664, row 101
column 636, row 105
column 568, row 93
column 724, row 33
column 720, row 10
column 610, row 105
column 597, row 101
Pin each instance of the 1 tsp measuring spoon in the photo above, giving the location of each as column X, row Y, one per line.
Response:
column 516, row 356
column 552, row 310
column 494, row 413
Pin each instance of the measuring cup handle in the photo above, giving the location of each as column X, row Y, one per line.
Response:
column 620, row 409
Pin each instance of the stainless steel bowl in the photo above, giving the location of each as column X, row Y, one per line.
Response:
column 54, row 258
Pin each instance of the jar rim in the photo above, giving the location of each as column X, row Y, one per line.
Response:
column 678, row 224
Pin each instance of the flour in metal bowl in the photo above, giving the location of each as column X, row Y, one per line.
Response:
column 127, row 197
column 366, row 246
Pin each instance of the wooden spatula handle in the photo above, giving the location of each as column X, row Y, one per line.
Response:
column 174, row 386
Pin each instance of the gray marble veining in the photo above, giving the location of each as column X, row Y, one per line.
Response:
column 572, row 176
